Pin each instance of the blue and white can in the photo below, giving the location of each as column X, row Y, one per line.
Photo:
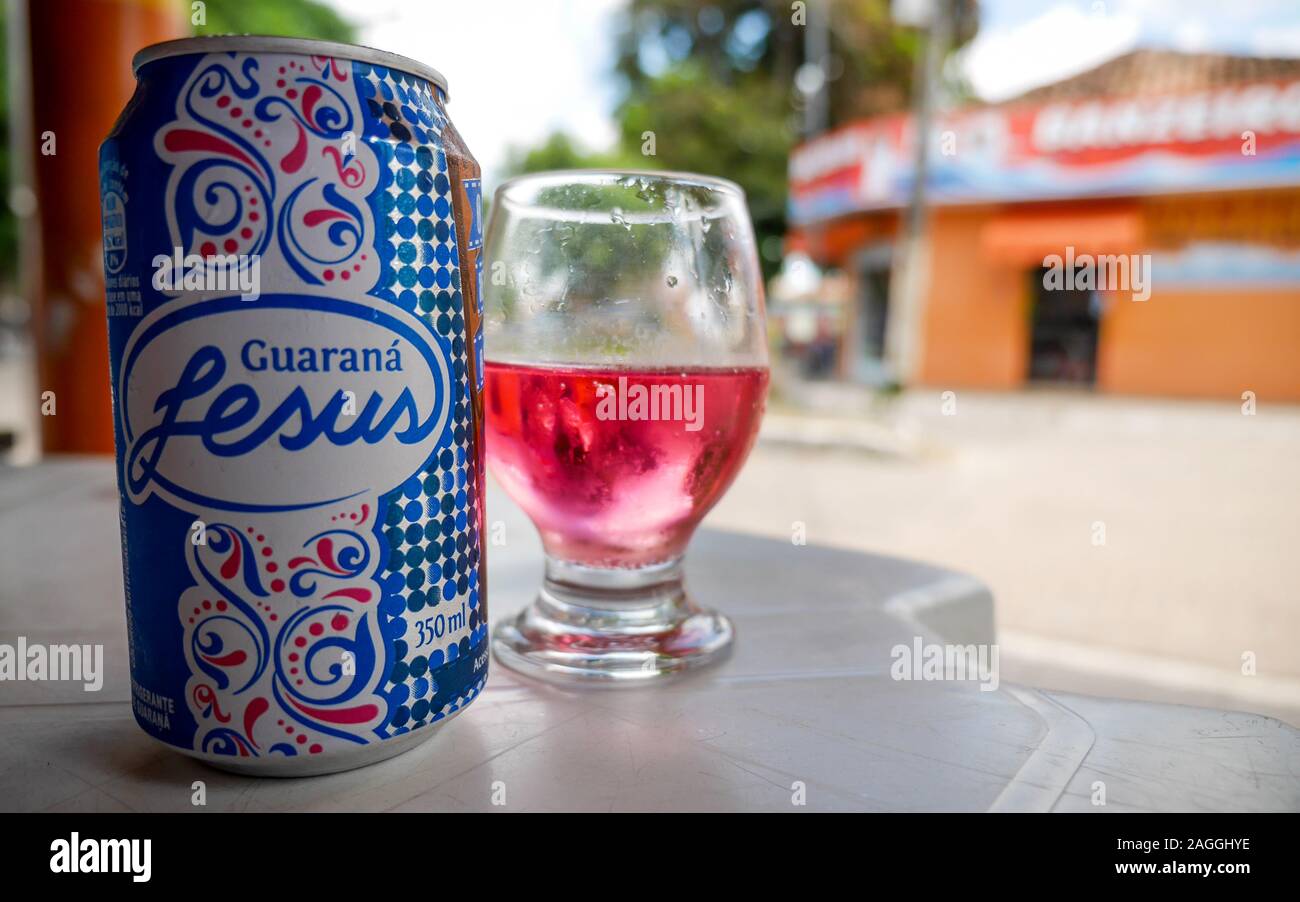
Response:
column 290, row 247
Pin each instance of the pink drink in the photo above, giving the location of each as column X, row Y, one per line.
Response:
column 617, row 466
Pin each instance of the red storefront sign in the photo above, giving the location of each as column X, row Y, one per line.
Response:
column 1243, row 136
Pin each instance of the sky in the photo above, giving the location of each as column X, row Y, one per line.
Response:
column 516, row 69
column 520, row 69
column 1025, row 43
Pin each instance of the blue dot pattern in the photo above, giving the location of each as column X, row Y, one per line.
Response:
column 432, row 616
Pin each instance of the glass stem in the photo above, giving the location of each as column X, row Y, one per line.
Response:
column 630, row 601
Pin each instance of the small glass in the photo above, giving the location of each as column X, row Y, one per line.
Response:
column 627, row 374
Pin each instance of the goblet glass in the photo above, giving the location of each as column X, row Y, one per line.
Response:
column 626, row 372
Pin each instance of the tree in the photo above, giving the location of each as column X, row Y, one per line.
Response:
column 294, row 18
column 714, row 84
column 560, row 152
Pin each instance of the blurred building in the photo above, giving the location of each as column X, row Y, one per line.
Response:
column 805, row 317
column 1136, row 228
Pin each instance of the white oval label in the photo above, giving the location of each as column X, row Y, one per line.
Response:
column 284, row 403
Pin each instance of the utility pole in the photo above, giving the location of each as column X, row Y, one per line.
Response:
column 908, row 282
column 811, row 79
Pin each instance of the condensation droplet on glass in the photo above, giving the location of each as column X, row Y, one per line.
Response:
column 672, row 281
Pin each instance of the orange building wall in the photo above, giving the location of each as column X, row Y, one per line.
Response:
column 974, row 332
column 1178, row 343
column 1203, row 344
column 975, row 328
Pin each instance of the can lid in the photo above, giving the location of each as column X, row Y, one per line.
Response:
column 252, row 43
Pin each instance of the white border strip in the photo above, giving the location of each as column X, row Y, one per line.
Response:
column 1044, row 777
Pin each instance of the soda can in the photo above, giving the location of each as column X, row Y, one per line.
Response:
column 292, row 245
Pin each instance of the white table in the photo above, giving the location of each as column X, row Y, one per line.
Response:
column 805, row 701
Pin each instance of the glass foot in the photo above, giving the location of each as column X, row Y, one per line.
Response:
column 615, row 627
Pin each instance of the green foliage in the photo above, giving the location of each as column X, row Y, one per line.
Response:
column 714, row 83
column 738, row 131
column 295, row 18
column 560, row 152
column 589, row 261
